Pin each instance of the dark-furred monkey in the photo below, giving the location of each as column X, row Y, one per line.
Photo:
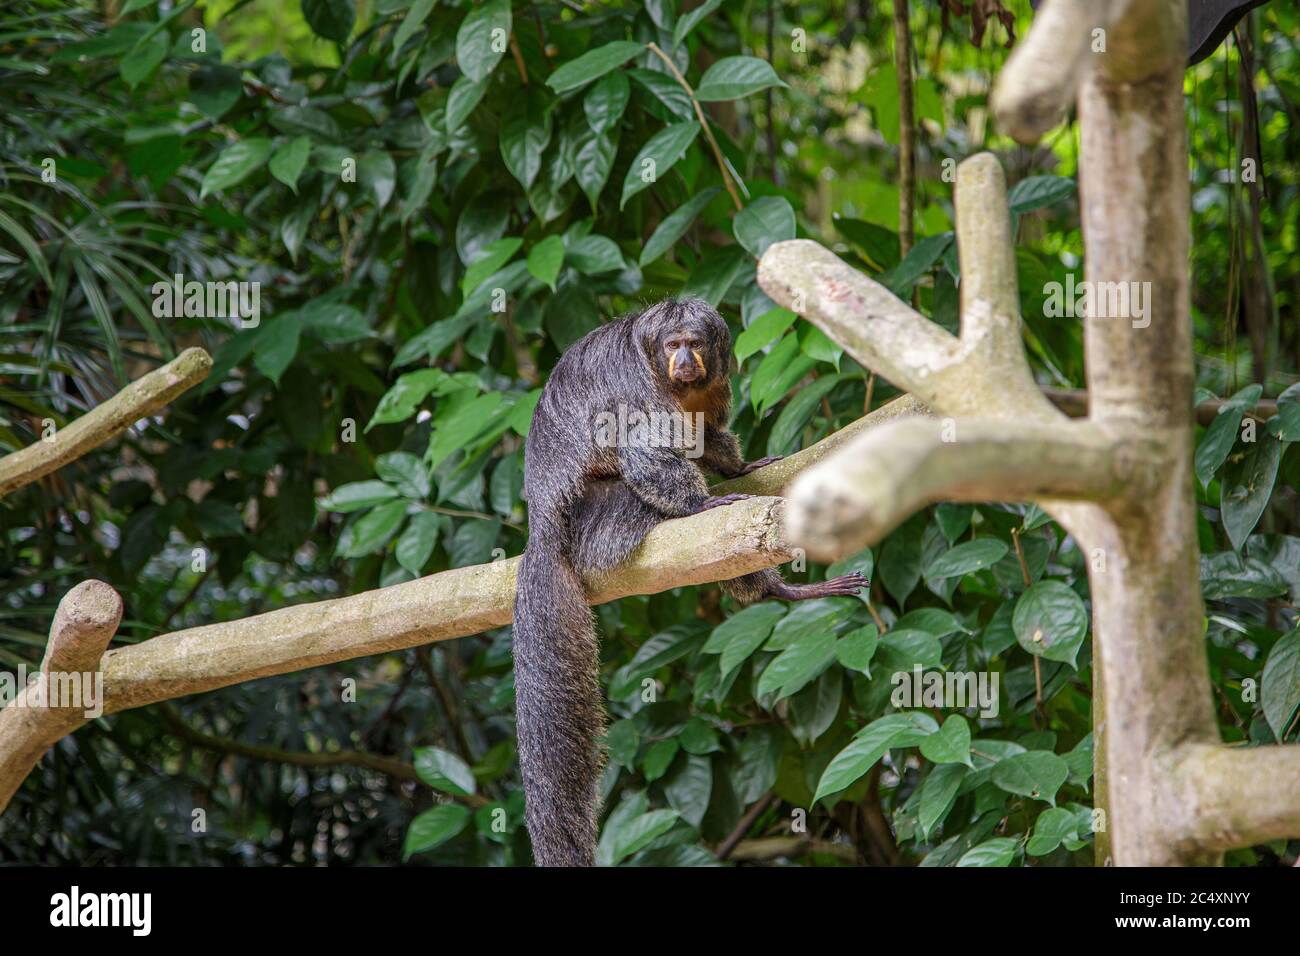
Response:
column 631, row 418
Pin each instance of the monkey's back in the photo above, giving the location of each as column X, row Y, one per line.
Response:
column 594, row 375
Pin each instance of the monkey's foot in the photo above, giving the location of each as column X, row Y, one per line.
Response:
column 845, row 585
column 762, row 462
column 719, row 502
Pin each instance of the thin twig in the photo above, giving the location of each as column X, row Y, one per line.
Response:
column 704, row 122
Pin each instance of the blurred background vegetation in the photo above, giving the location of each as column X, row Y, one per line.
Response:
column 207, row 140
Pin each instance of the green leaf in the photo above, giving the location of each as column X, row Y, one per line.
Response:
column 657, row 156
column 592, row 64
column 1228, row 574
column 902, row 649
column 333, row 322
column 807, row 618
column 1245, row 488
column 215, row 89
column 1285, row 425
column 1279, row 687
column 489, row 263
column 747, row 637
column 638, row 833
column 950, row 743
column 236, row 162
column 1053, row 826
column 764, row 221
column 372, row 530
column 759, row 618
column 462, row 426
column 28, row 244
column 357, row 495
column 784, row 437
column 764, row 330
column 525, row 133
column 482, row 39
column 1050, row 621
column 404, row 472
column 920, row 260
column 999, row 851
column 434, row 827
column 667, row 99
column 400, row 402
column 592, row 255
column 1037, row 774
column 464, row 96
column 277, row 345
column 691, row 19
column 689, row 787
column 717, row 271
column 878, row 245
column 144, row 58
column 412, row 23
column 443, row 770
column 416, row 543
column 869, row 745
column 657, row 758
column 606, row 100
column 1217, row 442
column 967, row 558
column 1035, row 192
column 545, row 259
column 938, row 794
column 797, row 665
column 674, row 226
column 735, row 76
column 855, row 649
column 592, row 163
column 331, row 19
column 289, row 160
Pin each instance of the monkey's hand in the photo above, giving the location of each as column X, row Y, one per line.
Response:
column 755, row 465
column 719, row 502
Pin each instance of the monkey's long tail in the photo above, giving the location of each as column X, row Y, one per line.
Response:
column 559, row 709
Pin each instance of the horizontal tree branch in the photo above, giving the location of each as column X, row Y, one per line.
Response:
column 138, row 400
column 873, row 483
column 1241, row 796
column 716, row 545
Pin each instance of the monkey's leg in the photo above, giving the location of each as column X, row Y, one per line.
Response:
column 769, row 584
column 609, row 522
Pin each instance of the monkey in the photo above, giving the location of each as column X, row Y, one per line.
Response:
column 590, row 503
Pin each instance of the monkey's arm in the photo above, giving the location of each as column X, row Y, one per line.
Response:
column 722, row 454
column 663, row 479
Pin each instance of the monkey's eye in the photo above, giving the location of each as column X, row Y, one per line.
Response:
column 696, row 344
column 671, row 345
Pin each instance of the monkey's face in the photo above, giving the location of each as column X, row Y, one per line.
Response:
column 687, row 341
column 684, row 353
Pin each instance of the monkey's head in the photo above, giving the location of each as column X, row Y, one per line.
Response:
column 688, row 343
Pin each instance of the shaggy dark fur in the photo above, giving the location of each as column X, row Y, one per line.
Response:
column 590, row 504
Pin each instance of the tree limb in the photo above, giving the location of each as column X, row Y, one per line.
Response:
column 138, row 400
column 1241, row 796
column 880, row 478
